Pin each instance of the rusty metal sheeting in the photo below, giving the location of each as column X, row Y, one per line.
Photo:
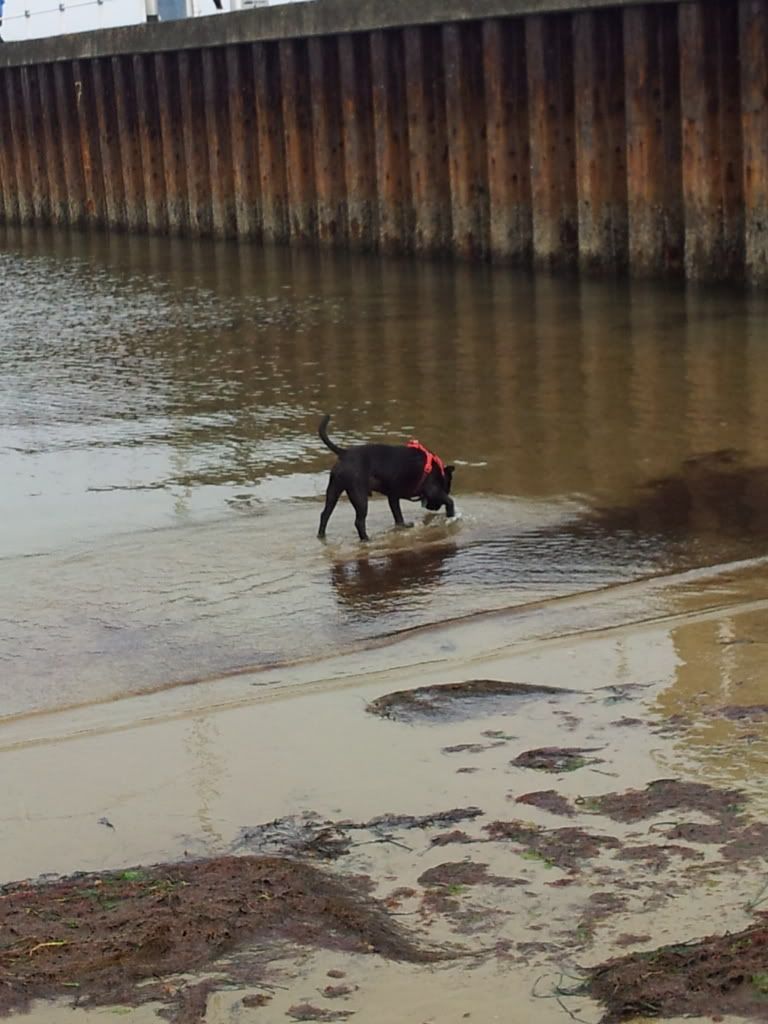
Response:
column 612, row 138
column 508, row 147
column 601, row 171
column 146, row 125
column 654, row 169
column 390, row 124
column 549, row 43
column 753, row 49
column 360, row 191
column 271, row 141
column 427, row 140
column 711, row 125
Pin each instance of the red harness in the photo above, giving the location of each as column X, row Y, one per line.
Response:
column 430, row 461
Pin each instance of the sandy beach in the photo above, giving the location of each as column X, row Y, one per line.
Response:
column 199, row 771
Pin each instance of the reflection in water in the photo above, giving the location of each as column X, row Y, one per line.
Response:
column 372, row 585
column 207, row 772
column 713, row 493
column 171, row 365
column 718, row 700
column 159, row 402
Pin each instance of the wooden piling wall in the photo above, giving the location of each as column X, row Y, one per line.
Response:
column 604, row 137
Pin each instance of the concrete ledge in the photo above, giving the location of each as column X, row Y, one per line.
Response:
column 321, row 17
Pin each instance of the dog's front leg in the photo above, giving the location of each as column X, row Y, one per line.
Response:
column 394, row 504
column 450, row 508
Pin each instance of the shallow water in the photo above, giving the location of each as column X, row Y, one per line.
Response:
column 163, row 478
column 163, row 598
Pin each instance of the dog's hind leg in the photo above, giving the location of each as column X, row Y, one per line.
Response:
column 332, row 495
column 359, row 498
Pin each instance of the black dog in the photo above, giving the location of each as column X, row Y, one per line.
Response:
column 397, row 471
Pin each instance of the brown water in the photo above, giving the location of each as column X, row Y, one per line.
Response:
column 162, row 476
column 162, row 487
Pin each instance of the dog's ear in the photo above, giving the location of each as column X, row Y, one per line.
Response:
column 448, row 476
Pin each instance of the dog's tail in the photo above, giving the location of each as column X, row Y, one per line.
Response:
column 322, row 431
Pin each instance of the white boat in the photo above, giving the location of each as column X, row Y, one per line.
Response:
column 35, row 19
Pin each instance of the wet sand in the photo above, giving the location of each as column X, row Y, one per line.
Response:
column 188, row 782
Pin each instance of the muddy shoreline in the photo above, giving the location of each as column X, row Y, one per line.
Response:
column 116, row 937
column 567, row 876
column 128, row 938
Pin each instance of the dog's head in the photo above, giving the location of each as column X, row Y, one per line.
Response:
column 436, row 487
